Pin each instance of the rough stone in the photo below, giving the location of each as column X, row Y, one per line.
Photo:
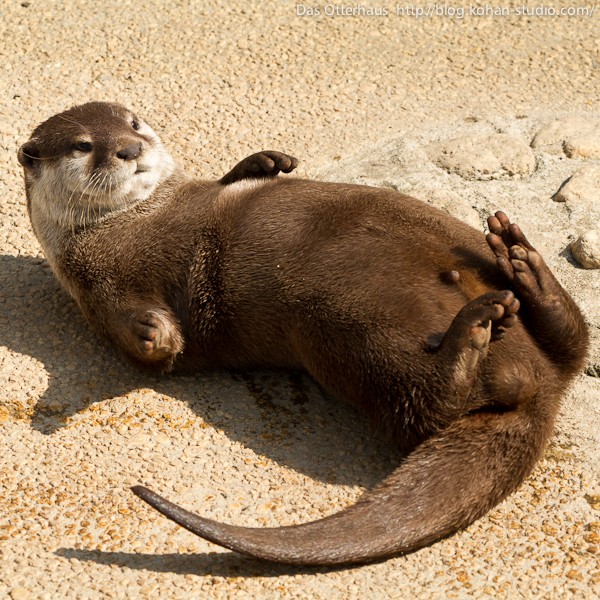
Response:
column 586, row 250
column 582, row 188
column 575, row 136
column 476, row 156
column 454, row 205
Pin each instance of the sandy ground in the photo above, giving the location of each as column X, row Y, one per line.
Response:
column 368, row 99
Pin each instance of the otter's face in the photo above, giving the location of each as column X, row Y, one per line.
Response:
column 90, row 160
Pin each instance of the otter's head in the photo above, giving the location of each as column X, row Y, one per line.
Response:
column 88, row 161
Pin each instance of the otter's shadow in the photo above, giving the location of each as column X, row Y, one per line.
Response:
column 217, row 564
column 280, row 415
column 41, row 322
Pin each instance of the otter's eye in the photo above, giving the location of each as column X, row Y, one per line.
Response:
column 135, row 124
column 83, row 146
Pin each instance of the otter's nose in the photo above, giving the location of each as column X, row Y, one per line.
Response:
column 130, row 152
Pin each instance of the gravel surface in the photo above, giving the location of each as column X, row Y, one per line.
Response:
column 443, row 108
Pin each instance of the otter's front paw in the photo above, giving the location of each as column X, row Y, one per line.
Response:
column 155, row 337
column 270, row 163
column 267, row 163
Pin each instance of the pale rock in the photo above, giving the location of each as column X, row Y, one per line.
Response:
column 484, row 157
column 581, row 189
column 586, row 250
column 586, row 145
column 453, row 204
column 576, row 137
column 384, row 164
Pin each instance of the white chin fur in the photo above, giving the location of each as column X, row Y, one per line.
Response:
column 64, row 196
column 70, row 195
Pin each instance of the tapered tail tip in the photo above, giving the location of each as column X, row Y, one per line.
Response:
column 140, row 490
column 148, row 496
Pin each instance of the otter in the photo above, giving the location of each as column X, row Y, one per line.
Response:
column 457, row 346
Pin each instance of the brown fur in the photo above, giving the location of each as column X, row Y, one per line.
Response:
column 389, row 304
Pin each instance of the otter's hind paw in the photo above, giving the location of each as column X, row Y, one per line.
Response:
column 522, row 264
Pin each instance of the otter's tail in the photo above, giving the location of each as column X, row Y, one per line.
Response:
column 444, row 485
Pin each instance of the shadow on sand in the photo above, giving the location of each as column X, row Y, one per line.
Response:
column 261, row 409
column 218, row 564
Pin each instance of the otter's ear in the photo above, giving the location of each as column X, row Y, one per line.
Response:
column 29, row 155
